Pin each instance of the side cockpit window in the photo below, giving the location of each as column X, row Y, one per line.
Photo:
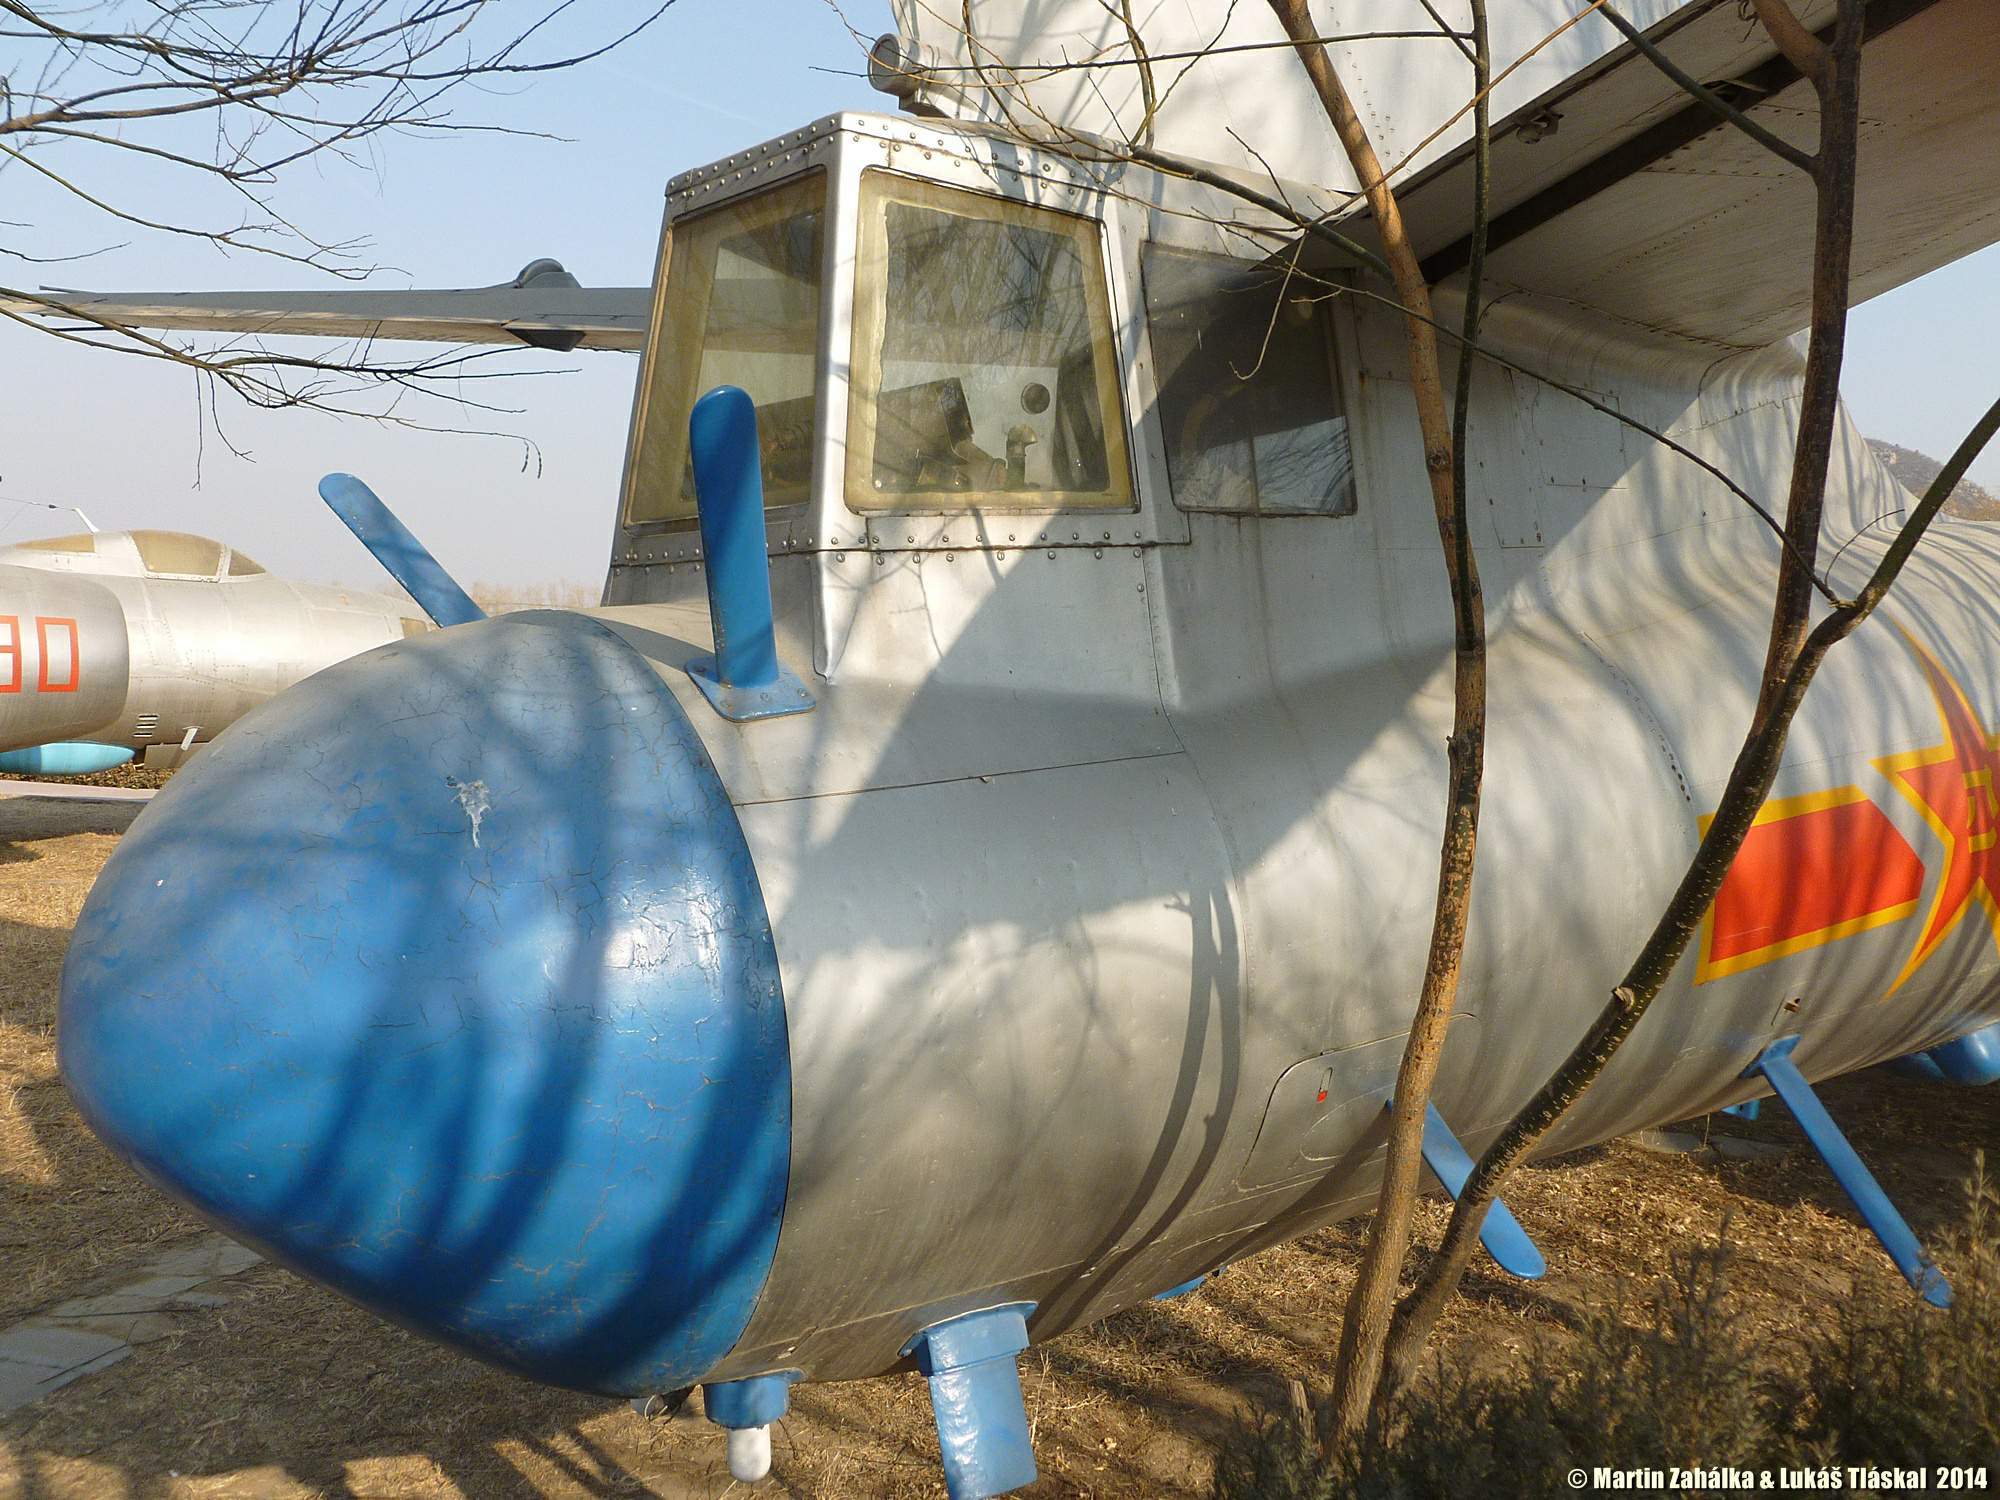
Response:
column 175, row 554
column 983, row 368
column 740, row 306
column 1249, row 399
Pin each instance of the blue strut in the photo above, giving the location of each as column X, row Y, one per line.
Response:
column 1502, row 1235
column 743, row 680
column 757, row 1401
column 406, row 559
column 982, row 1422
column 1967, row 1060
column 1970, row 1060
column 1775, row 1063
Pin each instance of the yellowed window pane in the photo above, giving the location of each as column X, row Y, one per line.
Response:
column 741, row 306
column 984, row 374
column 242, row 565
column 175, row 552
column 1249, row 402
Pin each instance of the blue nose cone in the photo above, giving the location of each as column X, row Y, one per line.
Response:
column 445, row 979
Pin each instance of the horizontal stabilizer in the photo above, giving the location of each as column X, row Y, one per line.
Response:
column 543, row 306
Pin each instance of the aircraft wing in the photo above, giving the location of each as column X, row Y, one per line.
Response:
column 544, row 306
column 1646, row 205
column 1639, row 202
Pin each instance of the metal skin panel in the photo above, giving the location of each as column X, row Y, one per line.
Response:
column 1066, row 968
column 446, row 980
column 1232, row 107
column 63, row 657
column 204, row 654
column 932, row 657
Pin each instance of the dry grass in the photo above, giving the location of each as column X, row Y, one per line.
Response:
column 131, row 774
column 287, row 1391
column 68, row 1211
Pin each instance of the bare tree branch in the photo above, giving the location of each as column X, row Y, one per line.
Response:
column 1723, row 108
column 1365, row 1328
column 225, row 95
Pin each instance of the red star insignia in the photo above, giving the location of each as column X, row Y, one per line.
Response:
column 1956, row 786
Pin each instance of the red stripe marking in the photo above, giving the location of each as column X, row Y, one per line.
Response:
column 1801, row 875
column 46, row 625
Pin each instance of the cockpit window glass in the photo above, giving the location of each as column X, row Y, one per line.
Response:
column 242, row 566
column 176, row 554
column 984, row 372
column 741, row 306
column 1248, row 396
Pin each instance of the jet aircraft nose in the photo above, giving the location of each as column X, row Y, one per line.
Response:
column 445, row 979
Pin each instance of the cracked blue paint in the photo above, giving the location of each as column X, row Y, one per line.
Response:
column 517, row 1079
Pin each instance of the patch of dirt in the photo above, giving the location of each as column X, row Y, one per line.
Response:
column 289, row 1392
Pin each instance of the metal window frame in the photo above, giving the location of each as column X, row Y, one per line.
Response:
column 1336, row 346
column 761, row 185
column 846, row 145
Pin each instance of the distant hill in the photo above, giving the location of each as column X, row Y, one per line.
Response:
column 1915, row 471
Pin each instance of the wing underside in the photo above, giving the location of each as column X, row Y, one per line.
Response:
column 1612, row 187
column 548, row 310
column 1644, row 204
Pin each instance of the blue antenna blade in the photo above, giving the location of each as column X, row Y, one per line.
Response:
column 406, row 559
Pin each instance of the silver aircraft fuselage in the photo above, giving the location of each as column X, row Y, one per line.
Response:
column 137, row 639
column 1102, row 875
column 1065, row 949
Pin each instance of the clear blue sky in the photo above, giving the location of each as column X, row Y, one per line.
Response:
column 120, row 436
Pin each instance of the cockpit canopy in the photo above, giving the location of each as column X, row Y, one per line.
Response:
column 981, row 367
column 141, row 554
column 935, row 324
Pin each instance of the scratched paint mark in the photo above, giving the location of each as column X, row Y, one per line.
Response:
column 475, row 799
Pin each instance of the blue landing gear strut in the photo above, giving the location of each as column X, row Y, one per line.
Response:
column 1502, row 1235
column 1776, row 1065
column 982, row 1422
column 1968, row 1061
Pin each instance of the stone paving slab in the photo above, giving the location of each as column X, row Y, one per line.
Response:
column 83, row 793
column 46, row 1352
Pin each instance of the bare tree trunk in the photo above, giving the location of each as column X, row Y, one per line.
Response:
column 1839, row 89
column 1793, row 656
column 1365, row 1328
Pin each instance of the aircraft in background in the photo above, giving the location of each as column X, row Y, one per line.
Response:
column 973, row 874
column 116, row 644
